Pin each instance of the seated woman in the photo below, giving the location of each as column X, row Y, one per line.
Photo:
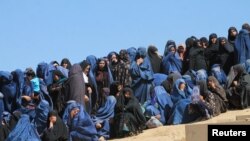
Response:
column 180, row 112
column 220, row 99
column 159, row 105
column 80, row 125
column 238, row 88
column 129, row 118
column 23, row 131
column 56, row 129
column 103, row 114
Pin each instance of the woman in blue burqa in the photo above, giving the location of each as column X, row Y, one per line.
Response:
column 172, row 62
column 238, row 88
column 103, row 113
column 9, row 87
column 142, row 75
column 181, row 100
column 23, row 131
column 129, row 118
column 79, row 123
column 242, row 44
column 159, row 105
column 91, row 60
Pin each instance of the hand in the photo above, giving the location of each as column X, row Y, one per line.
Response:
column 86, row 98
column 27, row 98
column 89, row 90
column 158, row 117
column 98, row 126
column 51, row 125
column 139, row 61
column 235, row 83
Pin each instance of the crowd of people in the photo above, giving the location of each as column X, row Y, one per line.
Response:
column 126, row 92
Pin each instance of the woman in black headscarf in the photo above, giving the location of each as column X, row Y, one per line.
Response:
column 56, row 91
column 103, row 75
column 129, row 119
column 212, row 51
column 155, row 59
column 238, row 88
column 197, row 57
column 232, row 35
column 66, row 63
column 56, row 129
column 219, row 94
column 226, row 53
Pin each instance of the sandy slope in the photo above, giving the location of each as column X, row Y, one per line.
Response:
column 177, row 132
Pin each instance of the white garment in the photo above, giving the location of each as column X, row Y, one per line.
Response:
column 85, row 77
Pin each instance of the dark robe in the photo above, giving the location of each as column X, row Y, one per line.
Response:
column 231, row 40
column 129, row 118
column 168, row 83
column 197, row 58
column 57, row 93
column 220, row 99
column 212, row 52
column 155, row 59
column 75, row 86
column 238, row 95
column 226, row 53
column 58, row 132
column 103, row 76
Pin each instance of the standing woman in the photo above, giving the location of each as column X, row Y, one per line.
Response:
column 103, row 75
column 90, row 97
column 75, row 86
column 142, row 76
column 56, row 91
column 155, row 59
column 226, row 53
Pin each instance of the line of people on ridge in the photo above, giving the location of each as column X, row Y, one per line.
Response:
column 124, row 93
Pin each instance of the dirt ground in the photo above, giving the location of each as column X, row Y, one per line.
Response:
column 177, row 132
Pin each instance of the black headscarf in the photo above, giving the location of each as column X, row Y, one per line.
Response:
column 84, row 64
column 66, row 61
column 59, row 130
column 235, row 72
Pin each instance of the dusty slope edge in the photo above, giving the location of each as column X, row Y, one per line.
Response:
column 177, row 132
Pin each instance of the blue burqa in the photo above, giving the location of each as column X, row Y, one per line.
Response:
column 81, row 127
column 142, row 77
column 242, row 46
column 40, row 120
column 180, row 111
column 103, row 114
column 23, row 131
column 160, row 104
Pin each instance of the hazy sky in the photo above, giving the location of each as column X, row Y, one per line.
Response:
column 32, row 31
